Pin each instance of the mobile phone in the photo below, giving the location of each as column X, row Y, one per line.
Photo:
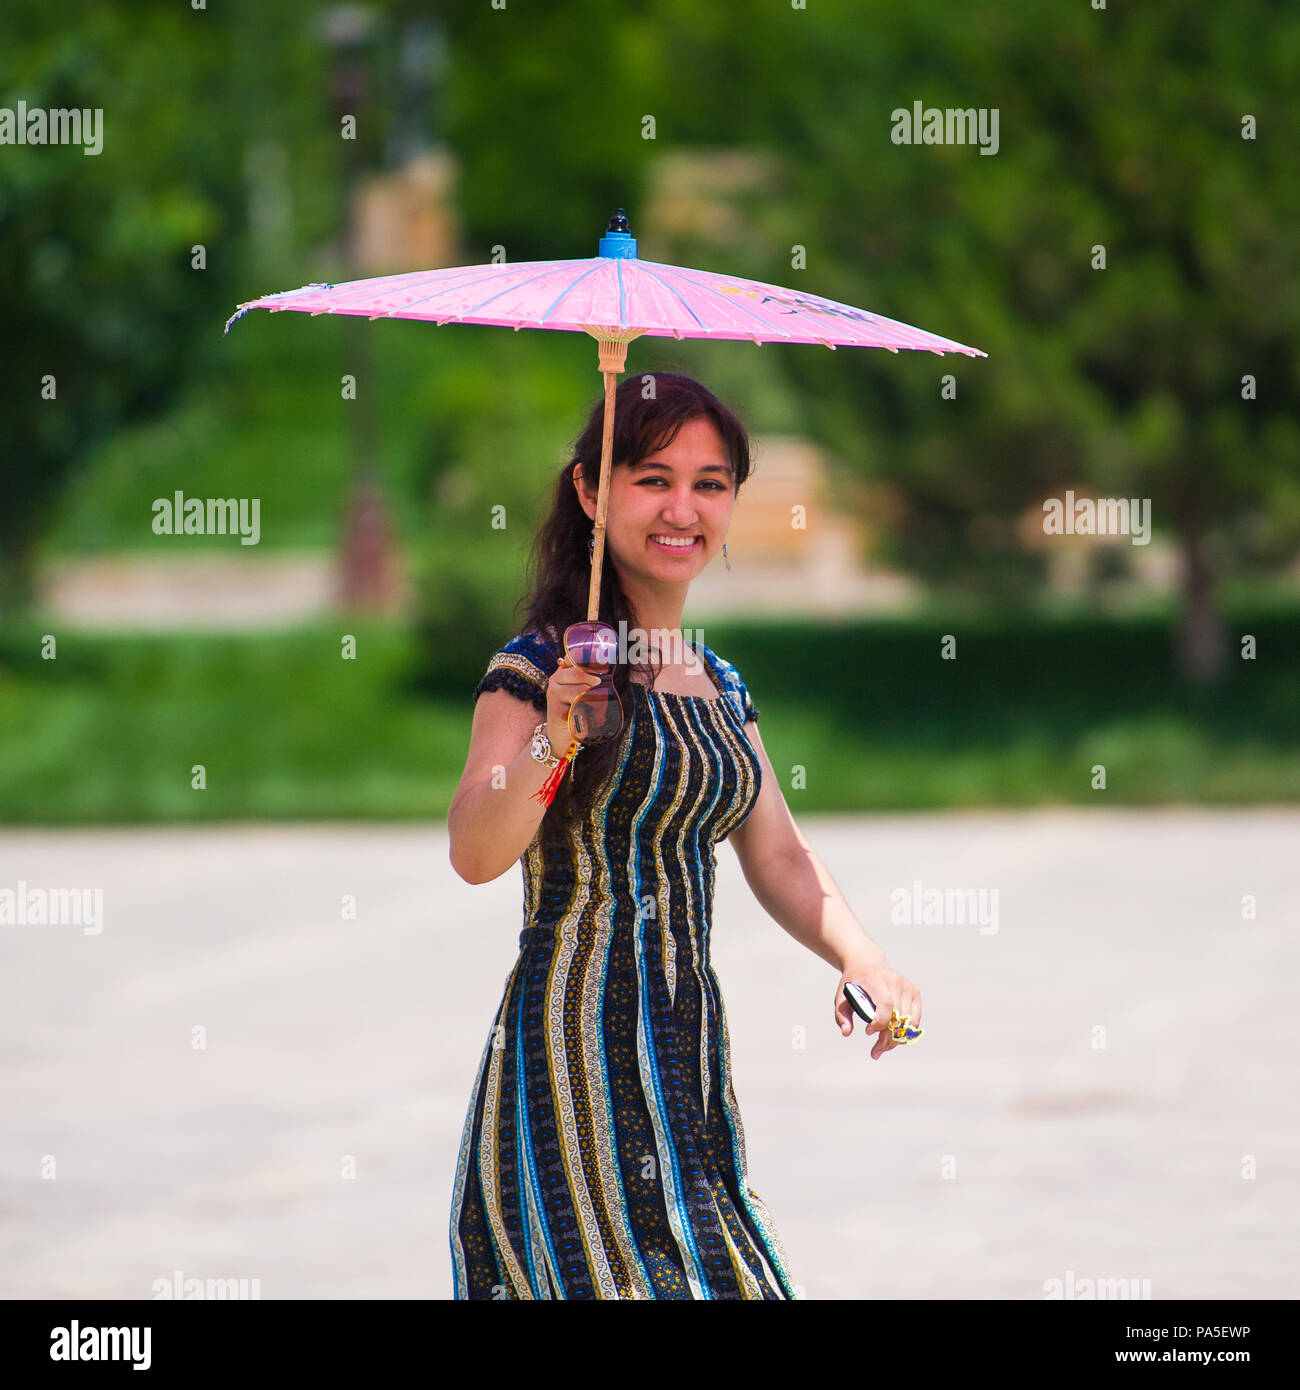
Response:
column 865, row 1007
column 863, row 1004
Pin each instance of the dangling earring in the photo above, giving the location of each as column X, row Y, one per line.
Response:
column 591, row 544
column 726, row 559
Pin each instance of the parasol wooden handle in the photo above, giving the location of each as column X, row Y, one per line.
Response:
column 613, row 358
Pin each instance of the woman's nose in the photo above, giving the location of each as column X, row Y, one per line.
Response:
column 679, row 510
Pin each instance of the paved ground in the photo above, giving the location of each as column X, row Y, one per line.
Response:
column 1140, row 1125
column 250, row 588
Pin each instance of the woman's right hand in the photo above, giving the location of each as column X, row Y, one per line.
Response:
column 565, row 685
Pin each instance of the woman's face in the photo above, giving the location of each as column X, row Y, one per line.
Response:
column 682, row 492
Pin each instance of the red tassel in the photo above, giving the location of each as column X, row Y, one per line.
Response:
column 546, row 792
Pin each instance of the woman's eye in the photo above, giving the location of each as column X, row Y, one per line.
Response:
column 709, row 482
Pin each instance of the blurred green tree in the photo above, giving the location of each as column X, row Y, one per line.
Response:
column 121, row 266
column 546, row 108
column 103, row 306
column 1172, row 373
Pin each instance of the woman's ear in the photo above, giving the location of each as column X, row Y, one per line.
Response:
column 588, row 504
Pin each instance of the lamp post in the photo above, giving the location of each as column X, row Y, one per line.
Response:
column 367, row 576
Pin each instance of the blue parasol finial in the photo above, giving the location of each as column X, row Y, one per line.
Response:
column 618, row 243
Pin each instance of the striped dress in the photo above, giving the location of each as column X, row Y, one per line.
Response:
column 603, row 1154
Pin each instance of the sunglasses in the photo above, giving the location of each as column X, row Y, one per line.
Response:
column 596, row 716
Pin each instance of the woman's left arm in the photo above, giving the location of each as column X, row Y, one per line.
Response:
column 796, row 889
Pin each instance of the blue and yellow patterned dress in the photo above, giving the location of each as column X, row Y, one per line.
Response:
column 603, row 1154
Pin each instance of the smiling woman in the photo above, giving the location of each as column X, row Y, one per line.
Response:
column 603, row 1152
column 680, row 458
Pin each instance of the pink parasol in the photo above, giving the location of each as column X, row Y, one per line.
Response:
column 615, row 297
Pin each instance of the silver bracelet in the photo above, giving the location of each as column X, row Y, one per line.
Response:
column 540, row 747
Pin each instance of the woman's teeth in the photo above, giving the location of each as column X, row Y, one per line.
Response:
column 675, row 542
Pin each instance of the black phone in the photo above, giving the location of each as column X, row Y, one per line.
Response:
column 863, row 1004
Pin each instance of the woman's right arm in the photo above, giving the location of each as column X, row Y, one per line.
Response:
column 493, row 817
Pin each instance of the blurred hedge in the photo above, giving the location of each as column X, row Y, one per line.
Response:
column 288, row 729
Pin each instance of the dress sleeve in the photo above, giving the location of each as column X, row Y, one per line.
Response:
column 522, row 667
column 734, row 688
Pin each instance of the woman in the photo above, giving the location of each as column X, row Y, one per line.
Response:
column 603, row 1154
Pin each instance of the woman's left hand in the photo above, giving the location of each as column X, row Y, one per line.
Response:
column 888, row 990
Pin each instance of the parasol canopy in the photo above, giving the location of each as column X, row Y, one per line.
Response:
column 615, row 297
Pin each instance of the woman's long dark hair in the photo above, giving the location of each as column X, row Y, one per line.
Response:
column 649, row 411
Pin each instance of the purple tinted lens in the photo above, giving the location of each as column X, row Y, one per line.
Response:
column 592, row 645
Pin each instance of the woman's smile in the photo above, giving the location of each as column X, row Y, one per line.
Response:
column 670, row 544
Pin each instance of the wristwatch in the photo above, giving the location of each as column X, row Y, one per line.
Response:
column 541, row 747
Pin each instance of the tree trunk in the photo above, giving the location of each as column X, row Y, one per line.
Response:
column 1201, row 640
column 369, row 575
column 16, row 580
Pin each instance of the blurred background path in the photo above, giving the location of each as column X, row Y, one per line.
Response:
column 1111, row 1138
